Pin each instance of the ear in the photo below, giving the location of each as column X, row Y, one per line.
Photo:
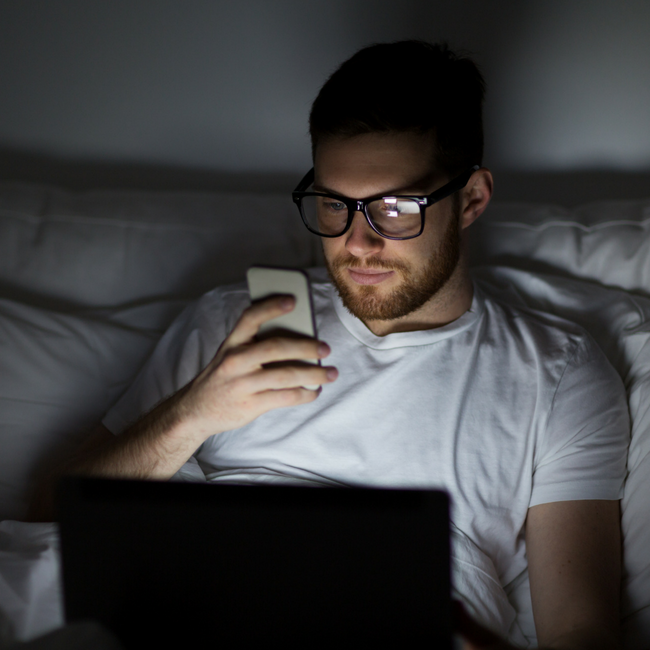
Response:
column 476, row 196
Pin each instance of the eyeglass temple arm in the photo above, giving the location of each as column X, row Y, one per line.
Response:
column 456, row 184
column 306, row 181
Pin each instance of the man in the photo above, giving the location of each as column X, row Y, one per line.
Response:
column 431, row 383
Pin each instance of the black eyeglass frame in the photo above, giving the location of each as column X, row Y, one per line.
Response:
column 361, row 205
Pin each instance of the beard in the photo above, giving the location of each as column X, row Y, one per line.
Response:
column 418, row 285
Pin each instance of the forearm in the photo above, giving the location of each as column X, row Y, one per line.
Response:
column 155, row 447
column 230, row 392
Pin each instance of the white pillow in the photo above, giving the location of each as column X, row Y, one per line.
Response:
column 90, row 280
column 620, row 323
column 605, row 241
column 58, row 374
column 109, row 248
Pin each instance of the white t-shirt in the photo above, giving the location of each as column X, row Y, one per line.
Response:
column 504, row 409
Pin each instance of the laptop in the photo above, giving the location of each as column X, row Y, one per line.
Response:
column 184, row 564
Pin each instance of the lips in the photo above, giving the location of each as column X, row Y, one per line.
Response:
column 369, row 276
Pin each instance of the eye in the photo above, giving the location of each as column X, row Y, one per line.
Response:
column 334, row 206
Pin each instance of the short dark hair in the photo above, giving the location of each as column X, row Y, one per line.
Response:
column 407, row 86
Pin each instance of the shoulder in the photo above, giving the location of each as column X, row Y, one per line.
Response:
column 556, row 355
column 541, row 333
column 218, row 309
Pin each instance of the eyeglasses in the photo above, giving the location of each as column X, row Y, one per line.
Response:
column 392, row 217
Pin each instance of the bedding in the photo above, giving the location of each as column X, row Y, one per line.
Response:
column 620, row 323
column 89, row 281
column 31, row 598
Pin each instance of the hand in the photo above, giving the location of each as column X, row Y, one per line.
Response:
column 474, row 636
column 234, row 389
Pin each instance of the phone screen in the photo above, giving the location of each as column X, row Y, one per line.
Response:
column 267, row 281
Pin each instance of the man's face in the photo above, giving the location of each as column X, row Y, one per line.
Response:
column 378, row 278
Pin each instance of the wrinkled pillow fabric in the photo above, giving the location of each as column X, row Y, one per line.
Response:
column 59, row 372
column 607, row 242
column 620, row 324
column 109, row 248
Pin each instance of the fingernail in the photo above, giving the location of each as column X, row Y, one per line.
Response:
column 286, row 303
column 323, row 349
column 332, row 373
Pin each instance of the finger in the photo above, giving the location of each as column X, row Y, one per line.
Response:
column 274, row 399
column 254, row 316
column 247, row 359
column 297, row 376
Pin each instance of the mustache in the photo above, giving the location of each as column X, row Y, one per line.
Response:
column 351, row 262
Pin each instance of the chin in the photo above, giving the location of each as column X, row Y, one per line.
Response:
column 413, row 285
column 378, row 302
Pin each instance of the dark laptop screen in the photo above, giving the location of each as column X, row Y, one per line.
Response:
column 308, row 567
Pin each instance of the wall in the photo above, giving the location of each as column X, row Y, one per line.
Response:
column 226, row 85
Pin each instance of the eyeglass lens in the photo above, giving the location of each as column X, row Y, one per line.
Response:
column 391, row 216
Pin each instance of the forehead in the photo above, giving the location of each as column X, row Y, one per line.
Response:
column 373, row 163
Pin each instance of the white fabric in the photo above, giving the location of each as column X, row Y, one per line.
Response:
column 110, row 248
column 30, row 581
column 503, row 409
column 476, row 584
column 606, row 241
column 89, row 281
column 58, row 375
column 620, row 323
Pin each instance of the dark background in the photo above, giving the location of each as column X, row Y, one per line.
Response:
column 206, row 94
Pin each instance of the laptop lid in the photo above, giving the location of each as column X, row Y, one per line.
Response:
column 164, row 562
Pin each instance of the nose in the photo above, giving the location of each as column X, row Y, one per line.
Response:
column 361, row 239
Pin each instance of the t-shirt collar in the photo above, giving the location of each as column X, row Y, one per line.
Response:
column 361, row 332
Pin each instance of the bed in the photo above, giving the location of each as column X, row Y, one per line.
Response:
column 90, row 280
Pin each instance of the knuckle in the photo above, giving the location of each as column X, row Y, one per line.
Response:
column 230, row 363
column 250, row 313
column 288, row 376
column 270, row 345
column 296, row 396
column 249, row 319
column 261, row 309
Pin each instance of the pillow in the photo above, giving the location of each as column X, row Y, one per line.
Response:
column 606, row 241
column 63, row 249
column 58, row 375
column 88, row 283
column 620, row 324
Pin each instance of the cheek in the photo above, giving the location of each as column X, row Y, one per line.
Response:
column 438, row 231
column 328, row 247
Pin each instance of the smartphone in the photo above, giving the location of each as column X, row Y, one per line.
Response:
column 267, row 281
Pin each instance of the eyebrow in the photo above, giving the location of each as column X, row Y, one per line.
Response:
column 410, row 189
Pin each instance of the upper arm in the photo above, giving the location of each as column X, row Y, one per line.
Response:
column 574, row 564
